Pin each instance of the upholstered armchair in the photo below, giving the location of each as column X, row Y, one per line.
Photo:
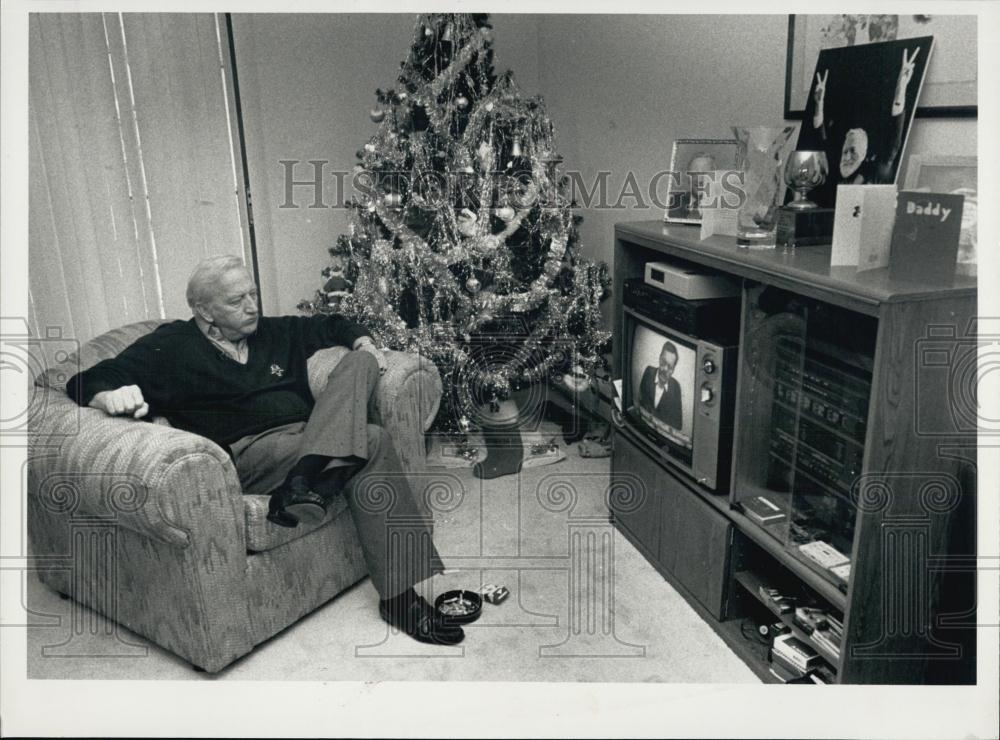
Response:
column 148, row 525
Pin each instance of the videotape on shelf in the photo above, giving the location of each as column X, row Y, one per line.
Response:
column 762, row 510
column 779, row 603
column 809, row 619
column 836, row 630
column 795, row 651
column 823, row 554
column 786, row 671
column 825, row 639
column 842, row 571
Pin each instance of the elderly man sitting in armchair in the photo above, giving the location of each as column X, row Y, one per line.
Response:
column 240, row 379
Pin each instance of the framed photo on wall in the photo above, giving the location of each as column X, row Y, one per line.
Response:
column 693, row 163
column 958, row 176
column 951, row 80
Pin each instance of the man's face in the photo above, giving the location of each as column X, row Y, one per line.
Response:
column 234, row 307
column 700, row 164
column 854, row 151
column 668, row 361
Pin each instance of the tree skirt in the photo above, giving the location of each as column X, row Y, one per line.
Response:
column 539, row 449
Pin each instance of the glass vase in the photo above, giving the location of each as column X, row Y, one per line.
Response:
column 763, row 151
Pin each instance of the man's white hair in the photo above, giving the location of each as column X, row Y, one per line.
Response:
column 204, row 281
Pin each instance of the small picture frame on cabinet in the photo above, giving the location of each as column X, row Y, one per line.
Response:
column 692, row 165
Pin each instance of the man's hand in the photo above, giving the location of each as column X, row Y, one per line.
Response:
column 125, row 400
column 367, row 344
column 819, row 95
column 903, row 81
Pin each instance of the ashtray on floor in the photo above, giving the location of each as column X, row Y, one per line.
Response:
column 459, row 607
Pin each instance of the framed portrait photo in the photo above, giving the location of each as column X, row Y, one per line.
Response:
column 860, row 109
column 950, row 88
column 958, row 176
column 693, row 163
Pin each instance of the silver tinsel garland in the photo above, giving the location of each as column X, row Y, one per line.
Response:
column 407, row 285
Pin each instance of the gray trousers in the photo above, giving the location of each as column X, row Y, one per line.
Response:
column 395, row 533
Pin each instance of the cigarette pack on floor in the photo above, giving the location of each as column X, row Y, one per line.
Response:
column 494, row 594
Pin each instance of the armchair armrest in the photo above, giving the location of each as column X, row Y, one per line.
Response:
column 158, row 481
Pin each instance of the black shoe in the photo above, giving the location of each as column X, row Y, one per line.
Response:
column 277, row 515
column 294, row 503
column 421, row 622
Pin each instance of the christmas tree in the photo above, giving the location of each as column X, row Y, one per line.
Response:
column 462, row 243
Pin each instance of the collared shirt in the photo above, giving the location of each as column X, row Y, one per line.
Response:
column 237, row 350
column 658, row 394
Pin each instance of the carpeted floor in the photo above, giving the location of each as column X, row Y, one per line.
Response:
column 584, row 606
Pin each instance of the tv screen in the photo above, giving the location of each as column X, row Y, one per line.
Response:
column 661, row 383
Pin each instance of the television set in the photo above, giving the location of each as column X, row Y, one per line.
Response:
column 678, row 388
column 662, row 372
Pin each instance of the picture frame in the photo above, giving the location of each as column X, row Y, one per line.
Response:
column 950, row 86
column 860, row 110
column 958, row 175
column 687, row 183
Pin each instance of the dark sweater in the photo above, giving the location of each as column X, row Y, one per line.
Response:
column 196, row 386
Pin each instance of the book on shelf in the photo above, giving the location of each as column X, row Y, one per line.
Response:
column 762, row 510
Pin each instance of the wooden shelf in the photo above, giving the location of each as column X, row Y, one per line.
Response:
column 751, row 582
column 760, row 537
column 905, row 430
column 751, row 529
column 805, row 270
column 753, row 654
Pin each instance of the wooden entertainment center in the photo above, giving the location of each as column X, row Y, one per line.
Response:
column 899, row 357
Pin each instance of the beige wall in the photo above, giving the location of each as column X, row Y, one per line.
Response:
column 619, row 89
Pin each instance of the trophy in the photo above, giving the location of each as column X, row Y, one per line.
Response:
column 804, row 171
column 801, row 222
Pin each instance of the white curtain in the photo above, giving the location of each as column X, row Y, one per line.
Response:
column 134, row 166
